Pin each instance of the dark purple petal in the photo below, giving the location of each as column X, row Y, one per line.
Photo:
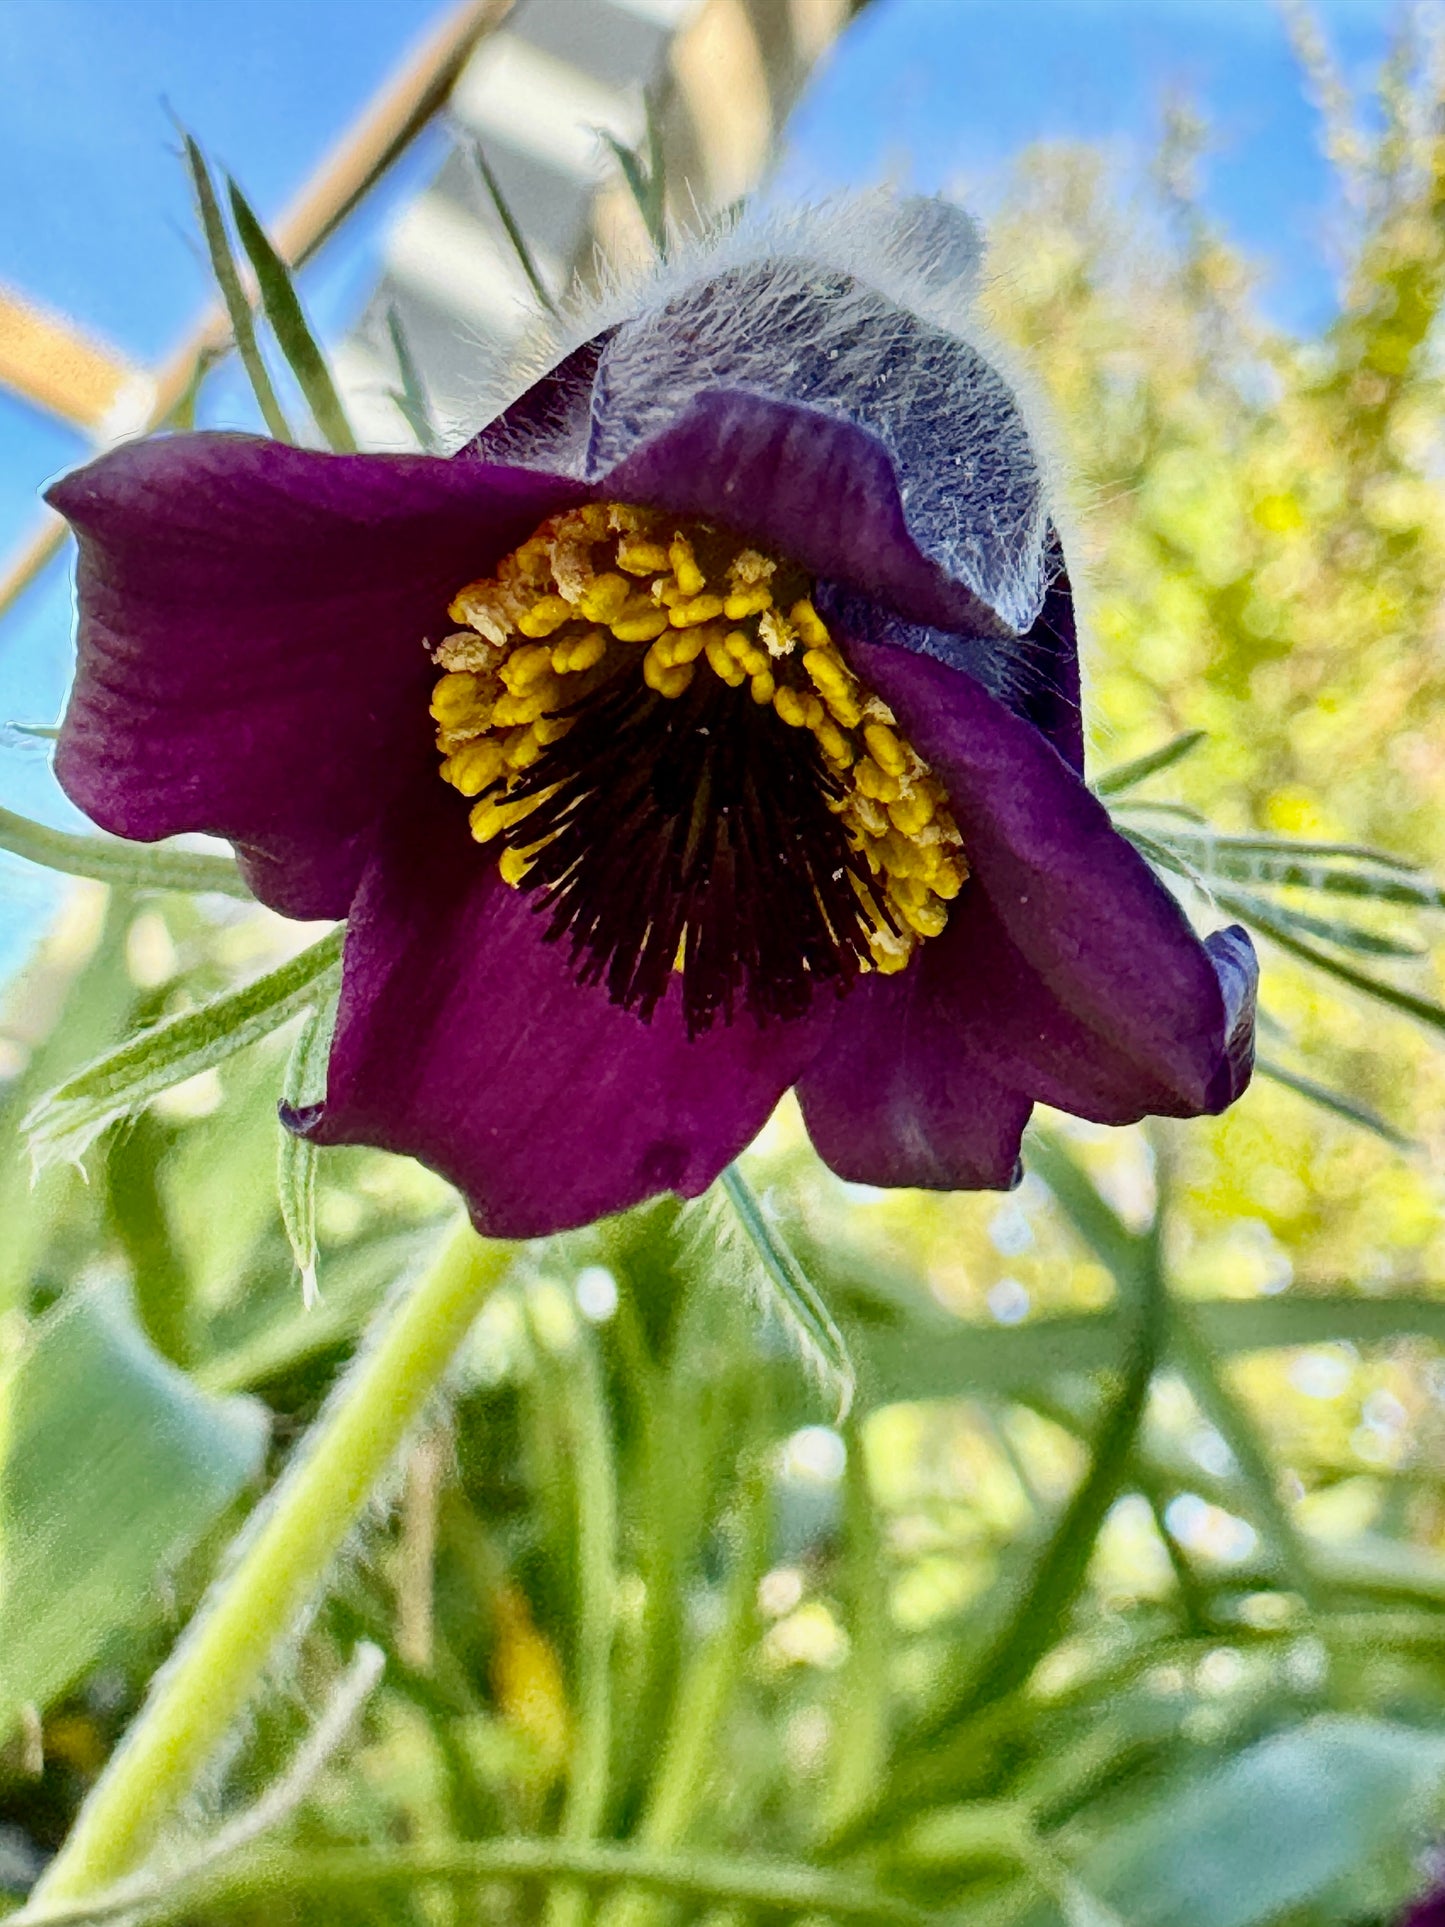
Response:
column 1429, row 1912
column 1081, row 979
column 896, row 1096
column 464, row 1040
column 251, row 621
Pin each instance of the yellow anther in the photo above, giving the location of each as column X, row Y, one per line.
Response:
column 667, row 679
column 834, row 744
column 912, row 812
column 641, row 628
column 697, row 608
column 512, row 866
column 928, row 917
column 521, row 748
column 746, row 651
column 792, row 706
column 809, row 624
column 511, row 710
column 949, row 877
column 905, row 861
column 605, row 597
column 873, row 782
column 778, row 635
column 526, row 667
column 827, row 670
column 593, row 518
column 843, row 707
column 723, row 662
column 866, row 813
column 551, row 729
column 884, row 747
column 748, row 602
column 532, row 559
column 640, row 557
column 666, row 591
column 547, row 613
column 690, row 578
column 492, row 815
column 763, row 687
column 685, row 645
column 456, row 697
column 891, row 951
column 579, row 652
column 475, row 766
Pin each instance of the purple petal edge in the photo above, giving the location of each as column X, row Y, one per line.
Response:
column 250, row 641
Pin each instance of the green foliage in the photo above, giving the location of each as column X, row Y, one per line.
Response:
column 67, row 1120
column 113, row 1467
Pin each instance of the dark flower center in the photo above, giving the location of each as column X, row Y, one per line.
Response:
column 679, row 763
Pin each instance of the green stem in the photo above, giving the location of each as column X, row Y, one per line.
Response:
column 268, row 1879
column 1235, row 1425
column 286, row 1552
column 590, row 1438
column 130, row 865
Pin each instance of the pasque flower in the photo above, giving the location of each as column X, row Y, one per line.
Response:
column 707, row 725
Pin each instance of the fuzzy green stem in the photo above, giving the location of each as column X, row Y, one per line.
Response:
column 373, row 1875
column 590, row 1441
column 286, row 1553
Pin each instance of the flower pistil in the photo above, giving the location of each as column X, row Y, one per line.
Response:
column 655, row 722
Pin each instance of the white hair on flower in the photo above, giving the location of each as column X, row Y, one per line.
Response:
column 863, row 307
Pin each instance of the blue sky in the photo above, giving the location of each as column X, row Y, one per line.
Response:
column 94, row 214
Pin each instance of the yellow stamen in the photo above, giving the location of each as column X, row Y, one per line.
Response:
column 604, row 598
column 541, row 637
column 639, row 557
column 698, row 608
column 690, row 578
column 547, row 613
column 475, row 767
column 667, row 679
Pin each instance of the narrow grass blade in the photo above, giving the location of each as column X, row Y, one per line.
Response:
column 136, row 866
column 644, row 170
column 1124, row 776
column 1298, row 848
column 238, row 308
column 1350, row 936
column 411, row 397
column 1235, row 1424
column 514, row 232
column 1265, row 918
column 67, row 1120
column 1335, row 1101
column 304, row 1083
column 290, row 326
column 1043, row 1600
column 792, row 1294
column 1333, row 871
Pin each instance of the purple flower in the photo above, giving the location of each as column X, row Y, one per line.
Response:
column 1428, row 1911
column 759, row 751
